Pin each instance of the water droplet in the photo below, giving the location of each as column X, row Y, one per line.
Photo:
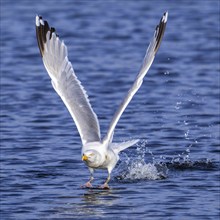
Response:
column 178, row 105
column 185, row 122
column 188, row 150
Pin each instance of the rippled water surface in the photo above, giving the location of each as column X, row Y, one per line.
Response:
column 173, row 172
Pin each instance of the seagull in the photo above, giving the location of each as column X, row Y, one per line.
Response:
column 97, row 152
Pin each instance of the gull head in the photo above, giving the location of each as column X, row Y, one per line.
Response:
column 91, row 158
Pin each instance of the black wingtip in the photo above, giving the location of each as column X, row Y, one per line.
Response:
column 160, row 29
column 42, row 27
column 52, row 30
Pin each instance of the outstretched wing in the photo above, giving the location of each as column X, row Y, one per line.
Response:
column 65, row 82
column 148, row 60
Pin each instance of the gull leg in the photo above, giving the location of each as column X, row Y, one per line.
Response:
column 105, row 185
column 88, row 184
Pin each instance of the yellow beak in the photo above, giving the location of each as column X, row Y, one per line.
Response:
column 84, row 157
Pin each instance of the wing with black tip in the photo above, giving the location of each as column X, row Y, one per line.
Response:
column 148, row 60
column 65, row 82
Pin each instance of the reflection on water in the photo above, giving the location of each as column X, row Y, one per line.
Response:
column 103, row 199
column 92, row 202
column 98, row 197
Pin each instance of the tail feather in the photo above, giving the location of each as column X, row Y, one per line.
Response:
column 118, row 147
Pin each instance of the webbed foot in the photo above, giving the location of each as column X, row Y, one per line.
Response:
column 87, row 185
column 104, row 186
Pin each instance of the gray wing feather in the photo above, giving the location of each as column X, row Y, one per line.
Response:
column 148, row 60
column 65, row 82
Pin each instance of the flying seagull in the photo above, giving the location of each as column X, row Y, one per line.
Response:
column 97, row 153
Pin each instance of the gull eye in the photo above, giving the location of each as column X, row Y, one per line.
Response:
column 92, row 154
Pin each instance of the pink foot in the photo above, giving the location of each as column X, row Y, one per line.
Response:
column 87, row 185
column 104, row 186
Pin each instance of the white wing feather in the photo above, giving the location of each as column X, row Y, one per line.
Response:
column 148, row 60
column 65, row 82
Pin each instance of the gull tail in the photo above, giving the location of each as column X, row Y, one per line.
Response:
column 118, row 147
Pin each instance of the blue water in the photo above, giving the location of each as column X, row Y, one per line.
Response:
column 173, row 172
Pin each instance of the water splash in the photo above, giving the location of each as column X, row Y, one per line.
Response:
column 136, row 168
column 184, row 161
column 139, row 170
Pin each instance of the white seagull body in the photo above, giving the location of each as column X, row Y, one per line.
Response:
column 97, row 153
